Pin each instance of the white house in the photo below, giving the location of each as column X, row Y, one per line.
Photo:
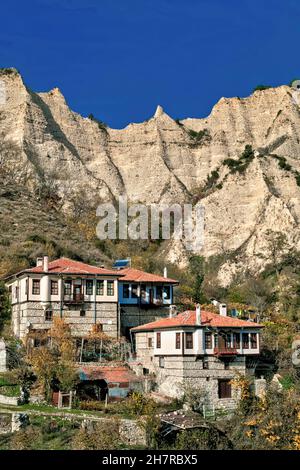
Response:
column 201, row 348
column 82, row 294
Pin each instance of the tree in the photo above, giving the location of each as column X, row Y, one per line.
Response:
column 276, row 248
column 5, row 310
column 197, row 268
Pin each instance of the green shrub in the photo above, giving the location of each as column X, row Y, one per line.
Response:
column 102, row 125
column 202, row 136
column 261, row 87
column 243, row 161
column 91, row 405
column 282, row 163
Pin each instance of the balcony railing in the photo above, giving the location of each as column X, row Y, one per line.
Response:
column 225, row 351
column 74, row 299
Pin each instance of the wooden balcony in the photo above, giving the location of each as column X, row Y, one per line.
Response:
column 74, row 299
column 225, row 351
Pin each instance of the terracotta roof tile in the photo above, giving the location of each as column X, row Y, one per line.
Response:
column 136, row 275
column 107, row 373
column 68, row 266
column 188, row 318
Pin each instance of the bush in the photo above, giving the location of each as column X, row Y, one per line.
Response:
column 91, row 405
column 202, row 136
column 102, row 125
column 261, row 88
column 243, row 161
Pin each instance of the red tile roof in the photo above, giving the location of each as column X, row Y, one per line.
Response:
column 68, row 266
column 188, row 318
column 120, row 374
column 136, row 275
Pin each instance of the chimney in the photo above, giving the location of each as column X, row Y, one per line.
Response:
column 45, row 264
column 223, row 310
column 198, row 314
column 165, row 272
column 39, row 262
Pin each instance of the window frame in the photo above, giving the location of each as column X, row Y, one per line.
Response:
column 54, row 291
column 89, row 287
column 100, row 287
column 134, row 290
column 36, row 287
column 236, row 339
column 246, row 345
column 126, row 290
column 49, row 313
column 69, row 283
column 177, row 340
column 110, row 288
column 158, row 340
column 189, row 340
column 208, row 344
column 253, row 344
column 225, row 392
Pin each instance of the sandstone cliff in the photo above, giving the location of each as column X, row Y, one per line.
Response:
column 169, row 161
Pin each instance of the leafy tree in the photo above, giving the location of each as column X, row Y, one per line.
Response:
column 197, row 268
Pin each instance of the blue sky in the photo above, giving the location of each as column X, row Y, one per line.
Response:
column 118, row 59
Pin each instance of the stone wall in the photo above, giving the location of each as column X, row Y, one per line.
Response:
column 32, row 313
column 180, row 371
column 4, row 400
column 132, row 315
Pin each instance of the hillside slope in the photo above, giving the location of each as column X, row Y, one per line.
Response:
column 72, row 158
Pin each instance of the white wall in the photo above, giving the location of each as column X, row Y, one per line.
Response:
column 23, row 296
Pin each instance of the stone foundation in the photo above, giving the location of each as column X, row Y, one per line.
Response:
column 31, row 314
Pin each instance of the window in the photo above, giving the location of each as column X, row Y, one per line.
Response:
column 159, row 292
column 205, row 364
column 253, row 340
column 162, row 362
column 48, row 315
column 216, row 340
column 125, row 291
column 150, row 342
column 236, row 340
column 68, row 287
column 89, row 287
column 177, row 342
column 35, row 287
column 134, row 289
column 167, row 292
column 189, row 340
column 82, row 313
column 26, row 287
column 54, row 287
column 99, row 287
column 224, row 388
column 228, row 340
column 158, row 340
column 143, row 291
column 245, row 341
column 208, row 341
column 110, row 288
